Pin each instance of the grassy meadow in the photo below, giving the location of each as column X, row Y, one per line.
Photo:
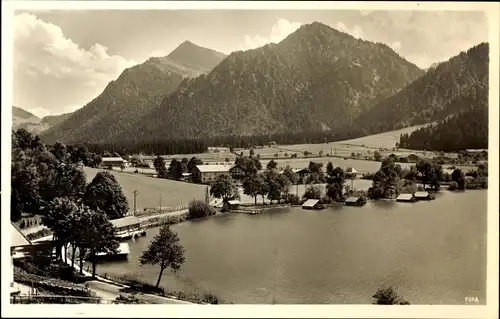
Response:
column 150, row 189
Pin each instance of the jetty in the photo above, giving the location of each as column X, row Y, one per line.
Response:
column 423, row 196
column 355, row 201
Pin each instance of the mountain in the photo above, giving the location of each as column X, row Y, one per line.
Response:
column 134, row 93
column 53, row 120
column 451, row 87
column 467, row 129
column 24, row 119
column 317, row 79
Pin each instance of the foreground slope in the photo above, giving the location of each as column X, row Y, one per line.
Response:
column 317, row 79
column 137, row 90
column 449, row 88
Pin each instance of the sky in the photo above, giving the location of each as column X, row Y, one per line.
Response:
column 64, row 59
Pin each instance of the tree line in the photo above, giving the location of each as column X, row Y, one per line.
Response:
column 45, row 181
column 391, row 179
column 167, row 146
column 466, row 130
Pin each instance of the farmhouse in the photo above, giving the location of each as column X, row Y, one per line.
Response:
column 113, row 162
column 237, row 172
column 355, row 201
column 409, row 198
column 303, row 173
column 352, row 172
column 412, row 158
column 422, row 196
column 207, row 174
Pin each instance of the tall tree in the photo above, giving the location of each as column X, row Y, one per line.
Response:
column 224, row 187
column 291, row 175
column 252, row 185
column 335, row 182
column 96, row 235
column 159, row 165
column 194, row 161
column 104, row 193
column 164, row 250
column 272, row 165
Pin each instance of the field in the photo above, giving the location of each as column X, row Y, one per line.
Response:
column 150, row 190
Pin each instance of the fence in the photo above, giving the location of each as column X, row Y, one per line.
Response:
column 160, row 210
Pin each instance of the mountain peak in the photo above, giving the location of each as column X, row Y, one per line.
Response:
column 192, row 54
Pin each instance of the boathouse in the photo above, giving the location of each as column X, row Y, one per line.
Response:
column 127, row 227
column 355, row 201
column 231, row 204
column 312, row 204
column 409, row 198
column 422, row 196
column 207, row 174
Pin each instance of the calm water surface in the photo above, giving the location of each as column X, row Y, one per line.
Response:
column 432, row 252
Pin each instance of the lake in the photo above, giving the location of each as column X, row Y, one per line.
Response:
column 430, row 252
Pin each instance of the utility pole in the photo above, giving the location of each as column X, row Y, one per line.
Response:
column 160, row 203
column 135, row 201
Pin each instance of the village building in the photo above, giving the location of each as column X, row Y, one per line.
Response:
column 413, row 158
column 207, row 174
column 355, row 201
column 20, row 245
column 422, row 196
column 237, row 172
column 303, row 173
column 405, row 197
column 110, row 162
column 218, row 149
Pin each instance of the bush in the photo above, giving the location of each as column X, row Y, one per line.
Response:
column 199, row 208
column 325, row 200
column 293, row 199
column 453, row 186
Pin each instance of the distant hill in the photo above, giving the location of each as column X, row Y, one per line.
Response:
column 53, row 120
column 454, row 86
column 24, row 119
column 466, row 130
column 136, row 91
column 317, row 79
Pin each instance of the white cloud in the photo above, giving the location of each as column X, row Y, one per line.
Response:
column 280, row 30
column 396, row 46
column 356, row 31
column 52, row 72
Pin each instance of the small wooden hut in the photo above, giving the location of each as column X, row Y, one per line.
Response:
column 405, row 197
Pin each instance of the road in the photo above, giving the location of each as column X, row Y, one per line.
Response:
column 110, row 292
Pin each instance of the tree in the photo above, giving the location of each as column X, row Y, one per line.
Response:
column 199, row 208
column 104, row 193
column 431, row 173
column 175, row 169
column 387, row 296
column 67, row 180
column 95, row 161
column 60, row 152
column 194, row 161
column 291, row 175
column 272, row 165
column 160, row 168
column 252, row 152
column 224, row 187
column 458, row 177
column 312, row 192
column 252, row 185
column 377, row 156
column 96, row 234
column 335, row 182
column 164, row 250
column 25, row 197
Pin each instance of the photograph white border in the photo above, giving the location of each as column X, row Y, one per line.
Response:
column 490, row 310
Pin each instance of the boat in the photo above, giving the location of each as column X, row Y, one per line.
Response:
column 122, row 253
